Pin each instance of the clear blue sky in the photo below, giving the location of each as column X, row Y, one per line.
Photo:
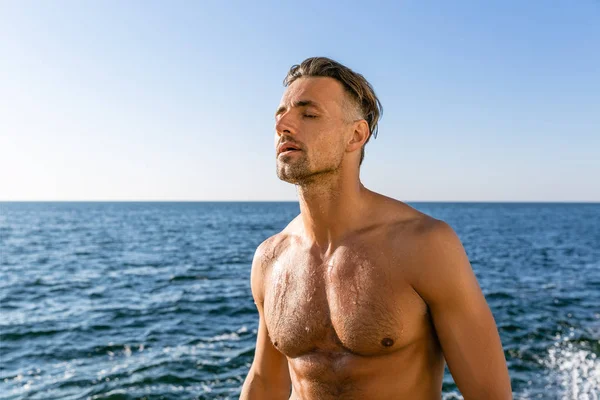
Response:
column 174, row 100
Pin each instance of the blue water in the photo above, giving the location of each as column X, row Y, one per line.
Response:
column 152, row 300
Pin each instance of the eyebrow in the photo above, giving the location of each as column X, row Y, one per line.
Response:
column 299, row 103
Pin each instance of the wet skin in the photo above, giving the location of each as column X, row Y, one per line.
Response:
column 349, row 323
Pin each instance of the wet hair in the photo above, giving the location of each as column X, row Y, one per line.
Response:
column 356, row 86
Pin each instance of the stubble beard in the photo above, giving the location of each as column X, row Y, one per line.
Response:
column 298, row 172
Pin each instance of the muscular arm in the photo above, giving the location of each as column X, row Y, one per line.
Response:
column 268, row 377
column 462, row 318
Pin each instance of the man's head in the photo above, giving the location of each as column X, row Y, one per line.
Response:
column 329, row 112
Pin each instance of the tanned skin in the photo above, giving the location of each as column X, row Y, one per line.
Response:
column 361, row 296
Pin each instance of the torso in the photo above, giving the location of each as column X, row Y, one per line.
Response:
column 350, row 324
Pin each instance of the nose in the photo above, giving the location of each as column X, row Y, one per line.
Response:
column 284, row 125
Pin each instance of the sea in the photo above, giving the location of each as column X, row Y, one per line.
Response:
column 152, row 300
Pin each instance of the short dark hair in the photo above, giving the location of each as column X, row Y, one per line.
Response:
column 359, row 89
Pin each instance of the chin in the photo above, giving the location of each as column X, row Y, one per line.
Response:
column 292, row 175
column 300, row 173
column 289, row 178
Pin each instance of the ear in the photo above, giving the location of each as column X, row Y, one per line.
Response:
column 360, row 135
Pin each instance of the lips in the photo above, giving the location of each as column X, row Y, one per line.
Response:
column 283, row 147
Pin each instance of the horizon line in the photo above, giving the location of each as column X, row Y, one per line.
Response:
column 296, row 201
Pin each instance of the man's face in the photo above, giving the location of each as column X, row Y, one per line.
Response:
column 315, row 115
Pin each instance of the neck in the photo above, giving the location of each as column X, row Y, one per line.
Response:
column 331, row 207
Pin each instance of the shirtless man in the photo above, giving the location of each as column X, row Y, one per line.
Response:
column 361, row 296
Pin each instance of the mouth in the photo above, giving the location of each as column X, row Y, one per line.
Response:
column 288, row 152
column 287, row 148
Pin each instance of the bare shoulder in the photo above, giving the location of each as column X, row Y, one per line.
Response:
column 425, row 245
column 265, row 255
column 425, row 231
column 272, row 247
column 434, row 240
column 405, row 222
column 435, row 261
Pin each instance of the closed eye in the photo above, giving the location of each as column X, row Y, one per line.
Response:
column 309, row 116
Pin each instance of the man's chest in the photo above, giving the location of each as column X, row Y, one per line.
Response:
column 352, row 302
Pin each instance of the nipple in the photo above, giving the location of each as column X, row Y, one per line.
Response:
column 387, row 342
